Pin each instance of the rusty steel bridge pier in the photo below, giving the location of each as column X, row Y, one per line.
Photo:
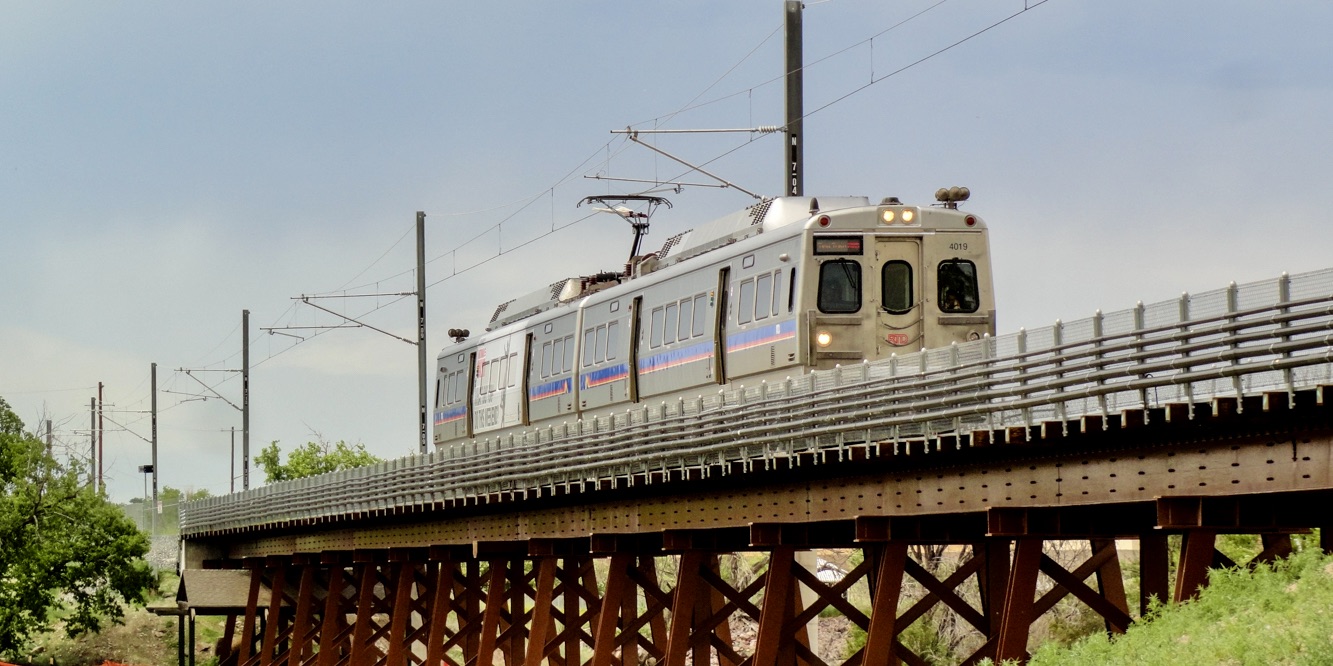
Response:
column 625, row 571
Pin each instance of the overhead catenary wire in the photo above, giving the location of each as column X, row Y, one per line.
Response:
column 610, row 149
column 526, row 202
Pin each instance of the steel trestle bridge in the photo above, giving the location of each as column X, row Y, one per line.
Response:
column 600, row 541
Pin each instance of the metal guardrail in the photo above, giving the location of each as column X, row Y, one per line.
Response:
column 1269, row 336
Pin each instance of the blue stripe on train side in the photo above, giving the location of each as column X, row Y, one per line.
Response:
column 551, row 389
column 605, row 375
column 452, row 414
column 762, row 335
column 676, row 357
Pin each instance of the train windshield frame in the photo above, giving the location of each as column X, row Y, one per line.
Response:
column 958, row 289
column 839, row 286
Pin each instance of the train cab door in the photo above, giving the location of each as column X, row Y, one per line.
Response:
column 895, row 287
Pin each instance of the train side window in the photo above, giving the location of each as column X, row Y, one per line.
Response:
column 557, row 356
column 514, row 369
column 777, row 293
column 957, row 279
column 655, row 336
column 612, row 339
column 569, row 352
column 546, row 359
column 839, row 286
column 764, row 296
column 589, row 337
column 686, row 319
column 502, row 377
column 448, row 389
column 669, row 333
column 896, row 287
column 601, row 344
column 439, row 397
column 745, row 308
column 700, row 302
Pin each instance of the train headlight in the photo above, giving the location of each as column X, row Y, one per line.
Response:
column 908, row 216
column 823, row 338
column 888, row 215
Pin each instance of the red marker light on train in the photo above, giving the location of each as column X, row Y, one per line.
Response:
column 824, row 220
column 970, row 220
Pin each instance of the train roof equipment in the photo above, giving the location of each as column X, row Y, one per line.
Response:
column 765, row 216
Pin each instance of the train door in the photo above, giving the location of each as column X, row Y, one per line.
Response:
column 471, row 386
column 720, row 326
column 635, row 324
column 525, row 384
column 896, row 288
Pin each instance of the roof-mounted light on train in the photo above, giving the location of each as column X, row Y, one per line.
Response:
column 951, row 196
column 459, row 334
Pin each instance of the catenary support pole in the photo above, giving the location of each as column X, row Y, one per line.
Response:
column 152, row 511
column 795, row 178
column 101, row 437
column 421, row 328
column 245, row 399
column 92, row 441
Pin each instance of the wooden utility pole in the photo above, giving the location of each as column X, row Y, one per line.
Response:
column 795, row 63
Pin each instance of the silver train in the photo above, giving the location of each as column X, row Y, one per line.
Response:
column 781, row 288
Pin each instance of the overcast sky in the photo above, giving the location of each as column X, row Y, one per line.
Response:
column 164, row 166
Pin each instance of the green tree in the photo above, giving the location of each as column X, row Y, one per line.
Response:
column 312, row 459
column 171, row 495
column 62, row 545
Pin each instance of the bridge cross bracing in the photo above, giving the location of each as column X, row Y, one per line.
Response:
column 1194, row 417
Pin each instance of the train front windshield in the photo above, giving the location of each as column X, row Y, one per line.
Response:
column 958, row 286
column 840, row 286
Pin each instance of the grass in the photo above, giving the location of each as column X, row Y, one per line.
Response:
column 1280, row 614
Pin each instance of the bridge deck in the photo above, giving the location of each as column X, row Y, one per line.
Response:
column 936, row 489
